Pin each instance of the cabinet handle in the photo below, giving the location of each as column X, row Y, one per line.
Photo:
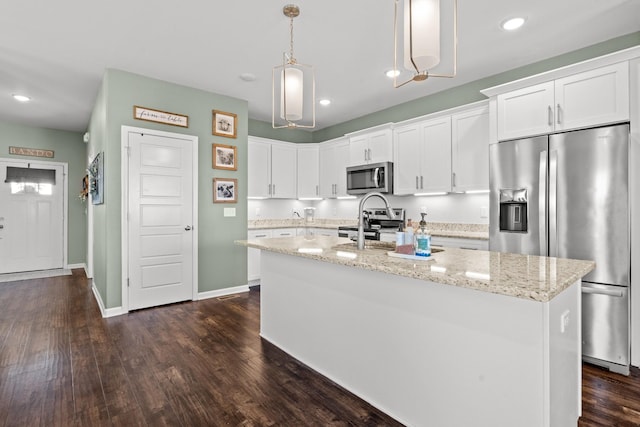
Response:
column 558, row 114
column 317, row 190
column 549, row 116
column 261, row 235
column 421, row 182
column 365, row 154
column 269, row 190
column 417, row 188
column 453, row 176
column 369, row 152
column 274, row 189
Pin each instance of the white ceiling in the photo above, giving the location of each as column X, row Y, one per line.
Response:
column 57, row 51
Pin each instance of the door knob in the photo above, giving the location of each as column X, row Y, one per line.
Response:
column 187, row 228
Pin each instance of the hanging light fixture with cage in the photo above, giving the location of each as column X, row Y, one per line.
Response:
column 293, row 87
column 418, row 40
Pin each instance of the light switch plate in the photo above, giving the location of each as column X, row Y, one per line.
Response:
column 484, row 212
column 229, row 211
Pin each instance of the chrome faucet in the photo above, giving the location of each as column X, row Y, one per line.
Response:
column 390, row 214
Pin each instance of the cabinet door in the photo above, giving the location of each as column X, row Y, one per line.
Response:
column 593, row 98
column 406, row 168
column 380, row 146
column 358, row 150
column 308, row 171
column 470, row 150
column 341, row 161
column 327, row 170
column 259, row 165
column 283, row 171
column 253, row 255
column 435, row 156
column 526, row 112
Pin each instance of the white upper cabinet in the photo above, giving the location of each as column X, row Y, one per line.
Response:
column 422, row 156
column 470, row 150
column 373, row 145
column 594, row 97
column 259, row 165
column 589, row 98
column 308, row 171
column 334, row 157
column 283, row 171
column 272, row 169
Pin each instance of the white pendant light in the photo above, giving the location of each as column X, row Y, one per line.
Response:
column 293, row 94
column 418, row 39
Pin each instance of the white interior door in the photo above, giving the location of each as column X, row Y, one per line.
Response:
column 160, row 224
column 31, row 220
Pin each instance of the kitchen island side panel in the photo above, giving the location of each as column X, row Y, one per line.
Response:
column 424, row 353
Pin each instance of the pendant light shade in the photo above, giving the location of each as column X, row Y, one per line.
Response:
column 421, row 34
column 293, row 95
column 418, row 39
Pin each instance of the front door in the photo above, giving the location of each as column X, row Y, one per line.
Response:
column 160, row 233
column 31, row 216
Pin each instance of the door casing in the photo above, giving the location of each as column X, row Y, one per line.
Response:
column 124, row 139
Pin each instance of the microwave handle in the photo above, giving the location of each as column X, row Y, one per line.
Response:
column 376, row 177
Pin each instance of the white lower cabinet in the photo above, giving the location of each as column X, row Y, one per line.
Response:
column 253, row 255
column 457, row 242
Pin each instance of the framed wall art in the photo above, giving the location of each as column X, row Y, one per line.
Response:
column 224, row 157
column 225, row 190
column 225, row 124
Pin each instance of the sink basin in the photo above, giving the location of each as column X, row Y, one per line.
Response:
column 377, row 246
column 369, row 244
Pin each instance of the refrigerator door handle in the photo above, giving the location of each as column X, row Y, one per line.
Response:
column 553, row 220
column 542, row 203
column 606, row 292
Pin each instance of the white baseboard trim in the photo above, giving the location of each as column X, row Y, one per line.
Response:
column 223, row 292
column 106, row 312
column 78, row 265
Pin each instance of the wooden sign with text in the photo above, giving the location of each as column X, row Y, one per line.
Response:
column 35, row 152
column 173, row 119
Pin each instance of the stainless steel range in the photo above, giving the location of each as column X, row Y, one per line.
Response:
column 377, row 225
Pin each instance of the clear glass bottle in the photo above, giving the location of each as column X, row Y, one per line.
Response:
column 423, row 239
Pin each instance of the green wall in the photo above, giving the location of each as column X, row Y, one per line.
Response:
column 460, row 95
column 68, row 148
column 222, row 264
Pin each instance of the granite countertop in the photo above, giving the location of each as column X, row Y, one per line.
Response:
column 438, row 229
column 523, row 276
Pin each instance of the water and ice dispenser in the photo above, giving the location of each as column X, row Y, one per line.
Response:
column 513, row 210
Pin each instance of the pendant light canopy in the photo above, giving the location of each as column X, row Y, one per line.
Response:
column 418, row 39
column 293, row 96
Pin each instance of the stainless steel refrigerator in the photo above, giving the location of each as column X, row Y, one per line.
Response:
column 566, row 195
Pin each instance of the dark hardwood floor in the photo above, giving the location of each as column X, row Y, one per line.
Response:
column 191, row 364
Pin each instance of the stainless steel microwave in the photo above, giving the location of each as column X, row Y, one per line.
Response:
column 373, row 177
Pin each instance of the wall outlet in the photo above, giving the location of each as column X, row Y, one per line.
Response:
column 484, row 212
column 229, row 211
column 257, row 211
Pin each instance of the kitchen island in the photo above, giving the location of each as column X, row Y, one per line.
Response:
column 464, row 338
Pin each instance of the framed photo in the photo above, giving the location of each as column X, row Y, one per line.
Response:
column 225, row 190
column 225, row 124
column 224, row 157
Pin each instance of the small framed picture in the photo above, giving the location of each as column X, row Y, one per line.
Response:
column 225, row 124
column 224, row 157
column 225, row 190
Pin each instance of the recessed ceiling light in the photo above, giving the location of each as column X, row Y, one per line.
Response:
column 325, row 102
column 392, row 73
column 21, row 98
column 247, row 77
column 512, row 24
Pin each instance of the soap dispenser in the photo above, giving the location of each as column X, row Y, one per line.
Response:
column 423, row 239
